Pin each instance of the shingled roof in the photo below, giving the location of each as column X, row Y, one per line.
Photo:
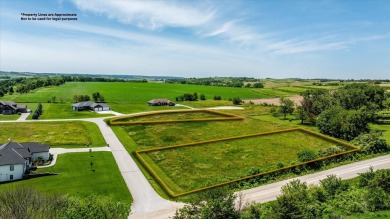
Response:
column 16, row 153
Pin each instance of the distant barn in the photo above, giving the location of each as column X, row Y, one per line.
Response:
column 161, row 102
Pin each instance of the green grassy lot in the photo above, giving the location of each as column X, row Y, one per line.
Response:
column 9, row 117
column 173, row 115
column 189, row 168
column 56, row 134
column 77, row 178
column 385, row 128
column 62, row 111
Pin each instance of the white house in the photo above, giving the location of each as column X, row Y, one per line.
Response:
column 17, row 158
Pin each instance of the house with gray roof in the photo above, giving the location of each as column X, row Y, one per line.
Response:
column 81, row 106
column 17, row 158
column 161, row 102
column 9, row 107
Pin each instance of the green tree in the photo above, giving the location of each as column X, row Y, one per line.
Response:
column 202, row 97
column 237, row 101
column 372, row 142
column 257, row 85
column 216, row 204
column 286, row 106
column 306, row 155
column 341, row 123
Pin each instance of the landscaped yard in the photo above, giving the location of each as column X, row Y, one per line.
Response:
column 56, row 134
column 9, row 117
column 192, row 167
column 77, row 178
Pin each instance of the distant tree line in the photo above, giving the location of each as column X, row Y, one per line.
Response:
column 97, row 97
column 218, row 81
column 24, row 85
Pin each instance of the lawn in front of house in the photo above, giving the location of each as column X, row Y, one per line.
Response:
column 68, row 134
column 9, row 117
column 76, row 177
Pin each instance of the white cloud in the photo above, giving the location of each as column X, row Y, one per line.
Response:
column 148, row 14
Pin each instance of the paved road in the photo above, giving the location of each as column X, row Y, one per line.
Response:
column 271, row 191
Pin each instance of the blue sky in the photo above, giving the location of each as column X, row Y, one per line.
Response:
column 254, row 38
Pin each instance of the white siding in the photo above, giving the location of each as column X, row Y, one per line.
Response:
column 17, row 173
column 107, row 108
column 44, row 155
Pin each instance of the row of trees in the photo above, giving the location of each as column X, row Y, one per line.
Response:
column 332, row 198
column 38, row 112
column 28, row 203
column 218, row 81
column 97, row 97
column 191, row 97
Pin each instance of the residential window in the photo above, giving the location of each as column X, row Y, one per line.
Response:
column 11, row 177
column 11, row 168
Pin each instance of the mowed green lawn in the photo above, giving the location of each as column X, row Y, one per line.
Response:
column 77, row 178
column 9, row 117
column 207, row 164
column 62, row 111
column 70, row 134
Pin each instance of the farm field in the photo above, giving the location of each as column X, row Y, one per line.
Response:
column 75, row 176
column 71, row 134
column 118, row 93
column 189, row 168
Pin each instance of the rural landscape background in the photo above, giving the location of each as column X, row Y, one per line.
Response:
column 196, row 109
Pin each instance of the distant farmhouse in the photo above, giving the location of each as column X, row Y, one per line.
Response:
column 17, row 158
column 80, row 106
column 161, row 102
column 9, row 107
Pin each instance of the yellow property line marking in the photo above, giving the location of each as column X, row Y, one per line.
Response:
column 226, row 116
column 172, row 194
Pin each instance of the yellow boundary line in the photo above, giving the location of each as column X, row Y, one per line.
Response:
column 226, row 116
column 172, row 194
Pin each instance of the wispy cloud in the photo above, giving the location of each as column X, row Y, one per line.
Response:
column 149, row 14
